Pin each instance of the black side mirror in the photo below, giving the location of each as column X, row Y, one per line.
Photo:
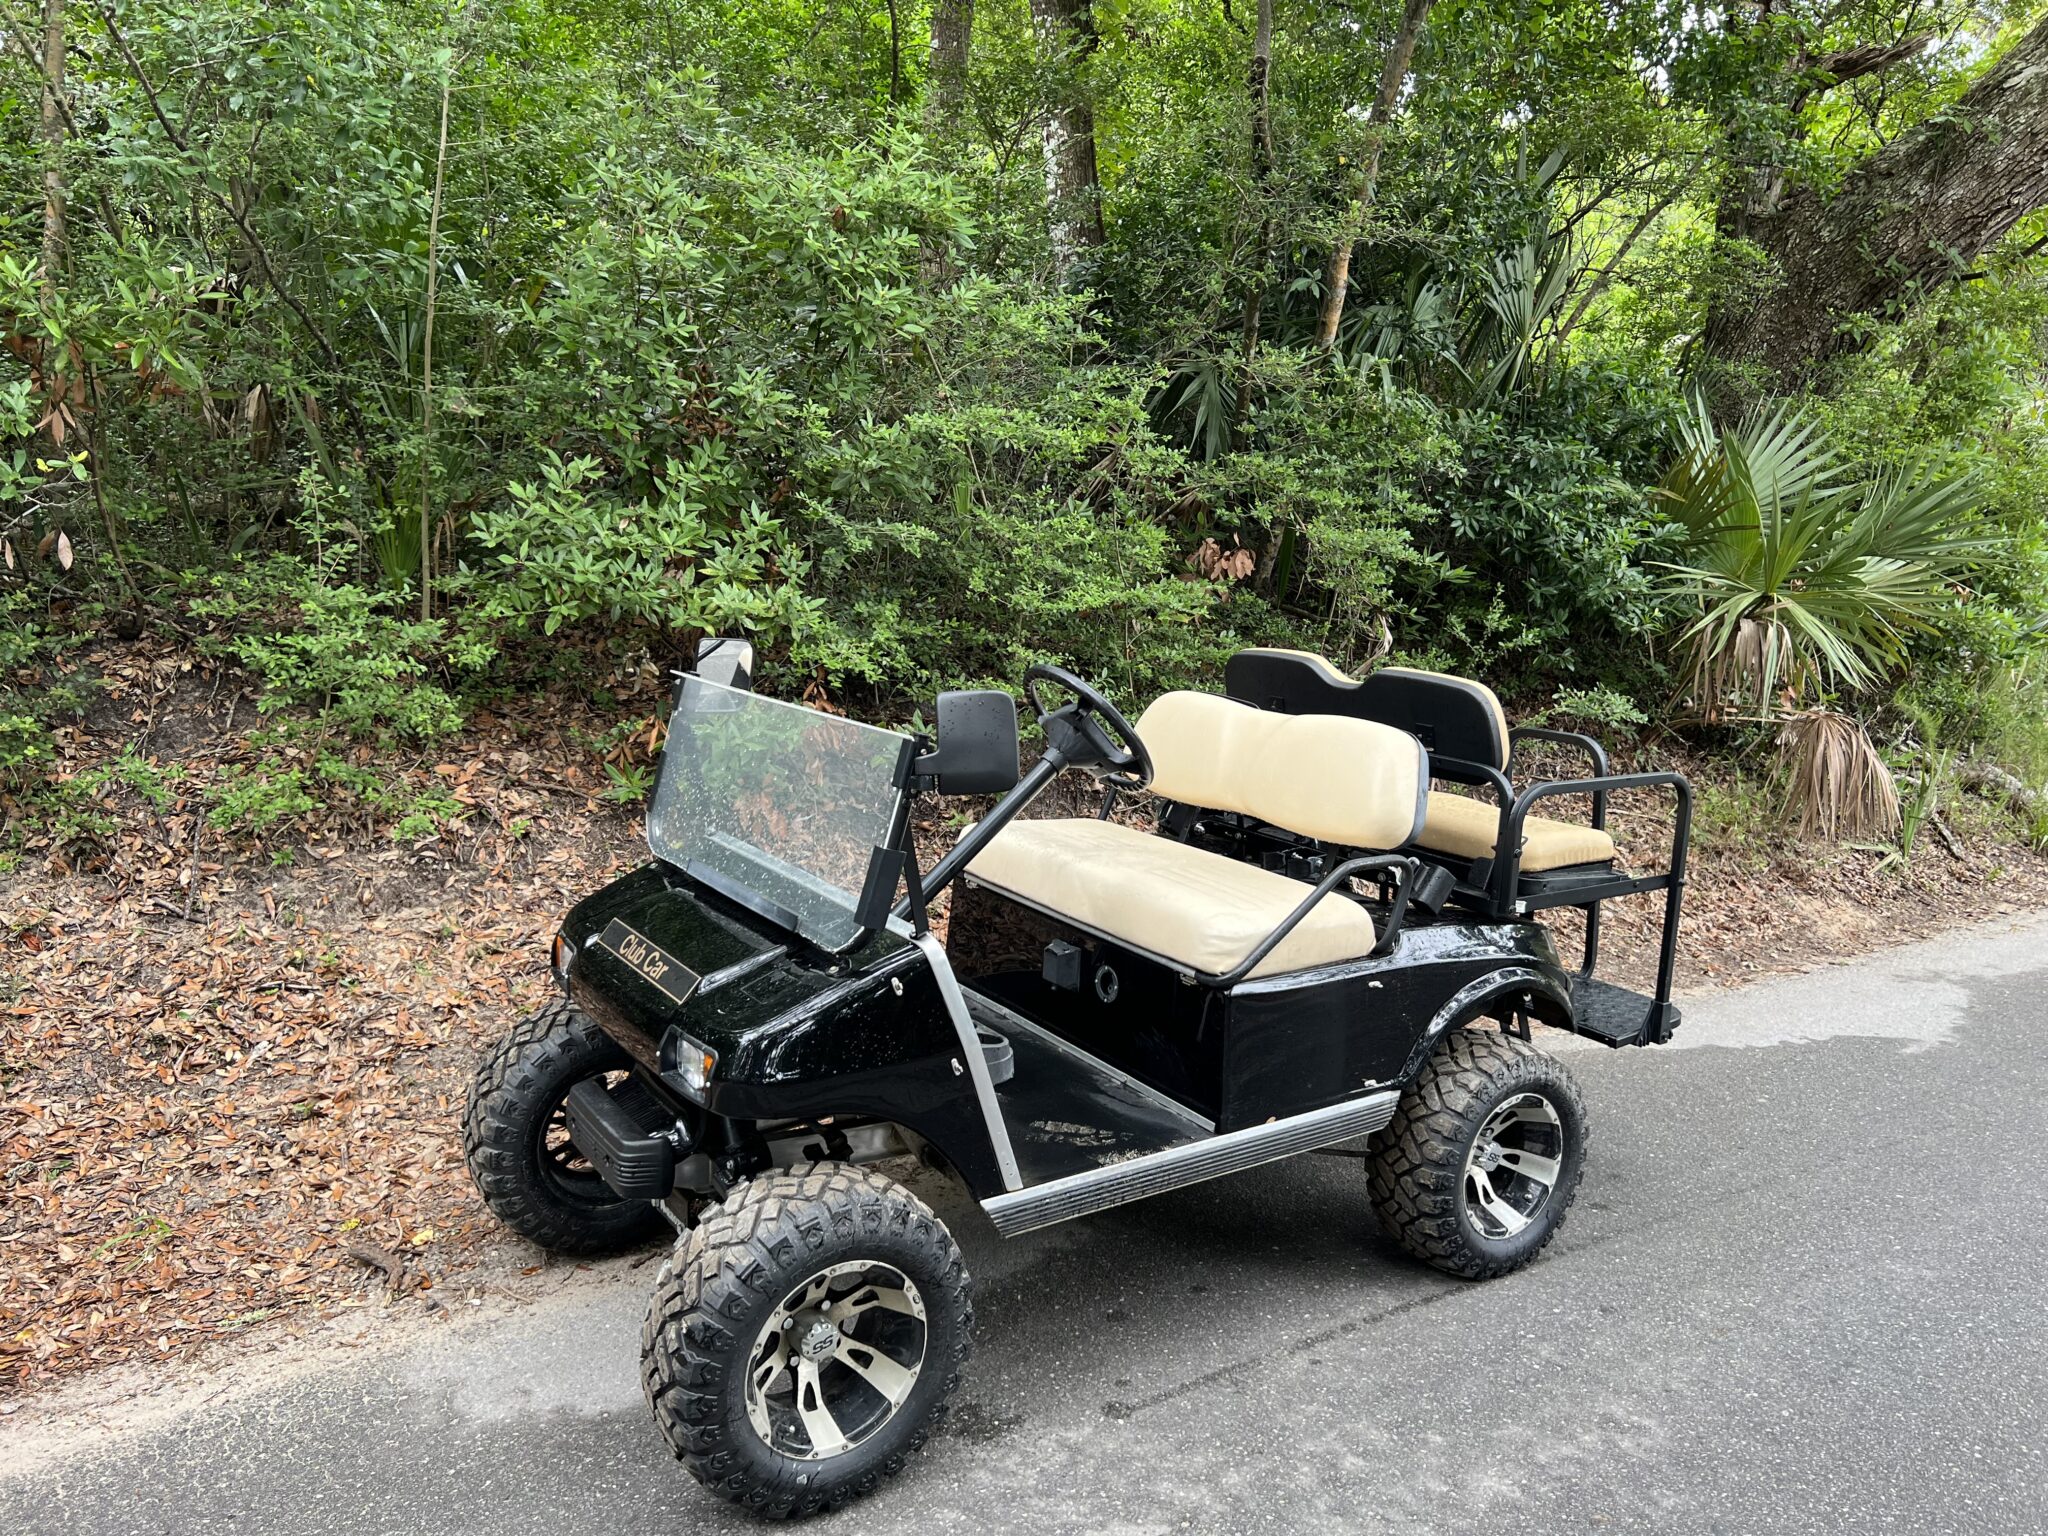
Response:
column 977, row 750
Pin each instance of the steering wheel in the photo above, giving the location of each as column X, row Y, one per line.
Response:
column 1089, row 731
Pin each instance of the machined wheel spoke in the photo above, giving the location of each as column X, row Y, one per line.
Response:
column 769, row 1366
column 1531, row 1165
column 1510, row 1219
column 893, row 1381
column 869, row 1297
column 826, row 1437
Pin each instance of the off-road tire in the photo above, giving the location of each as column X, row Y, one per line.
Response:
column 722, row 1285
column 518, row 1087
column 1416, row 1164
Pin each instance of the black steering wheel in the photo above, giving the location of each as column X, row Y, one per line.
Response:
column 1089, row 731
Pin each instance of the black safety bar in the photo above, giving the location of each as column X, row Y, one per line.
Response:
column 1396, row 912
column 1595, row 753
column 1507, row 869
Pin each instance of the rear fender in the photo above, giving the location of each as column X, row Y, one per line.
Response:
column 1512, row 989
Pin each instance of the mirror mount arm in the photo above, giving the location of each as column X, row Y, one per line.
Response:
column 913, row 886
column 957, row 858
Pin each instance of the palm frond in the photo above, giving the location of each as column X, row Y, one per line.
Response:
column 1800, row 573
column 1835, row 778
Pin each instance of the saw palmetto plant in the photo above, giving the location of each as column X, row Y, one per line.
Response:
column 1837, row 782
column 1807, row 578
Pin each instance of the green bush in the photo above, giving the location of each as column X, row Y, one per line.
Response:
column 564, row 551
column 346, row 654
column 254, row 800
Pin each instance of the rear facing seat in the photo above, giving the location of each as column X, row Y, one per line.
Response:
column 1352, row 782
column 1453, row 717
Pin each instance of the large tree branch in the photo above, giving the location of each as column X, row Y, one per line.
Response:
column 1913, row 216
column 1868, row 58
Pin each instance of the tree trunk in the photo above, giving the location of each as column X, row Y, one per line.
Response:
column 1073, row 195
column 53, row 143
column 427, row 360
column 1912, row 216
column 1393, row 76
column 946, row 86
column 1259, row 86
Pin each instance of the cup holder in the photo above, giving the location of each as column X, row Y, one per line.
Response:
column 995, row 1050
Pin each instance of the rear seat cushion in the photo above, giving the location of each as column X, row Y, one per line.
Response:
column 1193, row 907
column 1466, row 828
column 1353, row 782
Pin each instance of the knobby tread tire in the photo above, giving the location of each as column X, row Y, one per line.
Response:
column 517, row 1086
column 1416, row 1167
column 724, row 1279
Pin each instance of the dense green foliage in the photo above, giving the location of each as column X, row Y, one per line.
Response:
column 388, row 340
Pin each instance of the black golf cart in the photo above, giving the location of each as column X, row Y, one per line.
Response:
column 1306, row 947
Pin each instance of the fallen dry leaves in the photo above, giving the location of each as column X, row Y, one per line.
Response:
column 207, row 1124
column 212, row 1123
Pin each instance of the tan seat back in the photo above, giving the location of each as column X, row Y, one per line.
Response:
column 1353, row 782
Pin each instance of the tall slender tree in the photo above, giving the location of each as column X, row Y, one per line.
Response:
column 1259, row 86
column 53, row 142
column 1393, row 80
column 1073, row 192
column 946, row 80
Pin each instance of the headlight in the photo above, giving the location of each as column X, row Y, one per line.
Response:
column 559, row 958
column 687, row 1063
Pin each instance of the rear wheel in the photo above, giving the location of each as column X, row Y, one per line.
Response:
column 515, row 1136
column 803, row 1339
column 1475, row 1172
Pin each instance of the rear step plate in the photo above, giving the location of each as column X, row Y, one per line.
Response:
column 1617, row 1016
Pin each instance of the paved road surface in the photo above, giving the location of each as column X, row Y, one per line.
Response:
column 1801, row 1292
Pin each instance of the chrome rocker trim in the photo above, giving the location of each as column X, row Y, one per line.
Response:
column 1081, row 1194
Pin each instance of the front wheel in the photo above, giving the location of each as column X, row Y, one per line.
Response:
column 515, row 1137
column 1475, row 1172
column 803, row 1339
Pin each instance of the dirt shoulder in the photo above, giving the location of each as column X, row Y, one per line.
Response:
column 230, row 1084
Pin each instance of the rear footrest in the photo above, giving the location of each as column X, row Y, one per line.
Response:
column 1617, row 1016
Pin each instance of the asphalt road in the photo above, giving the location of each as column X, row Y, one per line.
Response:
column 1800, row 1292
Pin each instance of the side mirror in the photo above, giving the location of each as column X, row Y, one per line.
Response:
column 977, row 750
column 727, row 661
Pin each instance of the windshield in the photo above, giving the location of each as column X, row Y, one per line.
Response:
column 784, row 801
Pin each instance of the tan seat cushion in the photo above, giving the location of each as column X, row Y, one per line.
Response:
column 1353, row 782
column 1193, row 907
column 1465, row 827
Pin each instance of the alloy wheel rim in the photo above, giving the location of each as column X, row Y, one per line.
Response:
column 561, row 1164
column 836, row 1360
column 1513, row 1166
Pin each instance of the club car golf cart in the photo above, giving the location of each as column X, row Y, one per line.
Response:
column 1310, row 947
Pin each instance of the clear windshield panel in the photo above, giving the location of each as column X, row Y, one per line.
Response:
column 785, row 801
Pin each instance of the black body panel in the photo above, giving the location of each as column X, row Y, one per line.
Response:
column 1269, row 1048
column 1068, row 1113
column 1313, row 1038
column 797, row 1033
column 1159, row 1029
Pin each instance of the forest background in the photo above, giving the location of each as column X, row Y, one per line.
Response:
column 1670, row 367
